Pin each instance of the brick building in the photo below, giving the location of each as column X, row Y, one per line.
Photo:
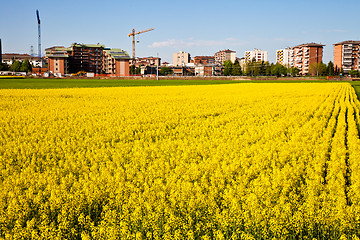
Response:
column 203, row 60
column 58, row 59
column 307, row 54
column 346, row 55
column 115, row 62
column 90, row 58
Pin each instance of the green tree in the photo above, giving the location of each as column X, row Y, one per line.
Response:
column 134, row 70
column 318, row 69
column 330, row 69
column 236, row 69
column 4, row 67
column 293, row 71
column 227, row 68
column 278, row 70
column 15, row 66
column 165, row 71
column 354, row 73
column 25, row 66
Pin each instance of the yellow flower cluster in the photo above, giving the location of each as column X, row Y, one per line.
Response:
column 239, row 161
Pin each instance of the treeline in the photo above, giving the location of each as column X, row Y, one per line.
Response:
column 262, row 68
column 17, row 66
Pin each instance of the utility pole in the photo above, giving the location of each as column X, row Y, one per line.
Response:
column 0, row 52
column 157, row 66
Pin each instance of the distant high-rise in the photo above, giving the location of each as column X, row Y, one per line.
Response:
column 225, row 55
column 307, row 54
column 181, row 58
column 346, row 55
column 257, row 54
column 285, row 57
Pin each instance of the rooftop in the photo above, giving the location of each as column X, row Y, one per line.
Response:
column 310, row 45
column 87, row 45
column 117, row 53
column 347, row 42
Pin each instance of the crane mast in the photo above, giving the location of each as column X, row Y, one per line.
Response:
column 39, row 34
column 133, row 33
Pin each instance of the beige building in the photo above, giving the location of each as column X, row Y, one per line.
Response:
column 181, row 58
column 346, row 55
column 285, row 57
column 257, row 54
column 307, row 54
column 225, row 55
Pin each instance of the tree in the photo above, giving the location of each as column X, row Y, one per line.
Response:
column 15, row 67
column 165, row 71
column 134, row 70
column 330, row 69
column 278, row 70
column 26, row 66
column 227, row 68
column 354, row 73
column 318, row 69
column 4, row 67
column 236, row 69
column 293, row 71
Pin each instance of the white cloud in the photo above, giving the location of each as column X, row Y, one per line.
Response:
column 196, row 43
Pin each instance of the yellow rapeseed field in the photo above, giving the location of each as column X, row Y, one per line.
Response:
column 239, row 161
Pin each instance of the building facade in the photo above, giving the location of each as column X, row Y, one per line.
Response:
column 285, row 57
column 346, row 55
column 86, row 57
column 57, row 60
column 307, row 54
column 225, row 55
column 203, row 60
column 90, row 58
column 181, row 58
column 9, row 59
column 257, row 54
column 146, row 61
column 115, row 62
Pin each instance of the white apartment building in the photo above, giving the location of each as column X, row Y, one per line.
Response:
column 181, row 58
column 225, row 55
column 257, row 54
column 285, row 57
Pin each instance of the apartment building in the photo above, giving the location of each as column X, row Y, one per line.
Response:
column 203, row 60
column 257, row 54
column 346, row 55
column 86, row 57
column 181, row 58
column 10, row 58
column 307, row 54
column 90, row 58
column 58, row 59
column 115, row 62
column 285, row 57
column 146, row 61
column 225, row 55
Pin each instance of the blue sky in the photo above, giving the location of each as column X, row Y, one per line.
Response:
column 198, row 27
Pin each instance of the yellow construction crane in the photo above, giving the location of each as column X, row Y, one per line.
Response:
column 133, row 33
